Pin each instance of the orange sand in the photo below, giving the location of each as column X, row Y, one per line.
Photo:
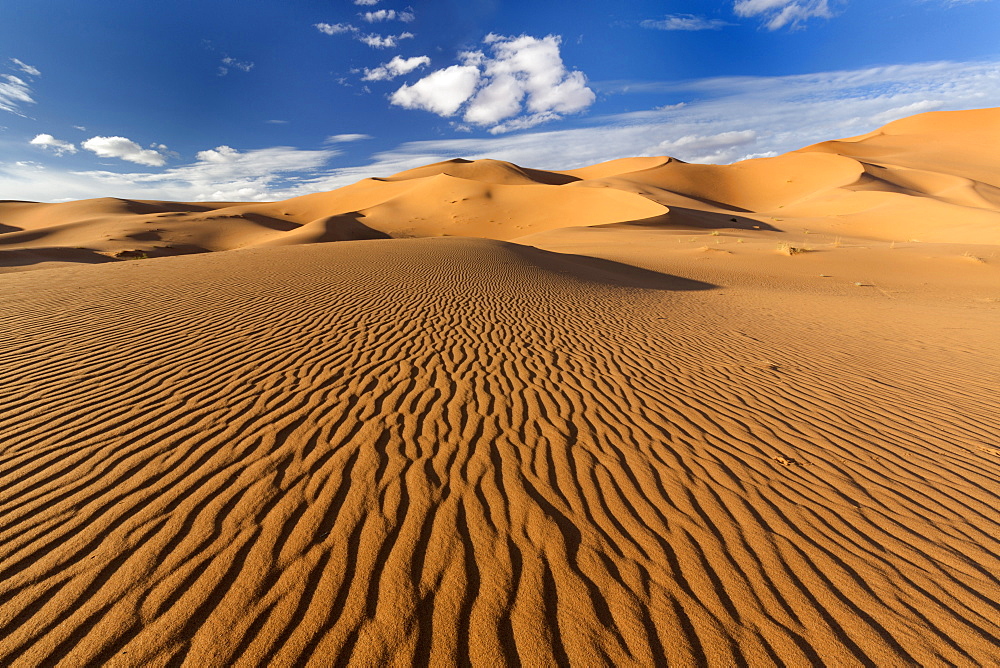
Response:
column 656, row 413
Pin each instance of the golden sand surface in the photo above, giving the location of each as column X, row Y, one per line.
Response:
column 640, row 413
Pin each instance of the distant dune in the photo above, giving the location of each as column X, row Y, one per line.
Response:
column 931, row 177
column 639, row 413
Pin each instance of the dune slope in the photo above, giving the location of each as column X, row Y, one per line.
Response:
column 444, row 451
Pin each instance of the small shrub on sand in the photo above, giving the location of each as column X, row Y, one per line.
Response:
column 975, row 258
column 786, row 248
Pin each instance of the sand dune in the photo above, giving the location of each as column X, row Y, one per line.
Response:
column 932, row 178
column 668, row 425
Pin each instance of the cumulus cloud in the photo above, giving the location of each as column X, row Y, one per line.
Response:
column 780, row 13
column 345, row 138
column 523, row 75
column 335, row 28
column 58, row 146
column 124, row 149
column 371, row 39
column 684, row 22
column 26, row 68
column 441, row 92
column 384, row 41
column 394, row 68
column 218, row 155
column 14, row 92
column 388, row 15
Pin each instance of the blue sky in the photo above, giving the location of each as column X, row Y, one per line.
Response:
column 227, row 100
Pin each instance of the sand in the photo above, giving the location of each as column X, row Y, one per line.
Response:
column 655, row 414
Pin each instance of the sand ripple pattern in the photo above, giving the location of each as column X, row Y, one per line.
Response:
column 462, row 452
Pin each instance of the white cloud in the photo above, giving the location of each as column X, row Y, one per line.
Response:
column 58, row 146
column 441, row 92
column 384, row 41
column 388, row 15
column 371, row 39
column 380, row 15
column 523, row 75
column 14, row 91
column 335, row 28
column 523, row 122
column 276, row 121
column 917, row 107
column 219, row 174
column 26, row 68
column 224, row 173
column 231, row 63
column 366, row 2
column 715, row 148
column 684, row 22
column 394, row 68
column 345, row 138
column 780, row 13
column 218, row 155
column 125, row 149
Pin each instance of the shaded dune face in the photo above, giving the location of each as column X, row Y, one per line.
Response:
column 931, row 177
column 448, row 451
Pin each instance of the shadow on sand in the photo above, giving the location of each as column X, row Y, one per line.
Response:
column 23, row 257
column 606, row 272
column 680, row 218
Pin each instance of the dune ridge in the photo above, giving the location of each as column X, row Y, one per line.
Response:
column 623, row 439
